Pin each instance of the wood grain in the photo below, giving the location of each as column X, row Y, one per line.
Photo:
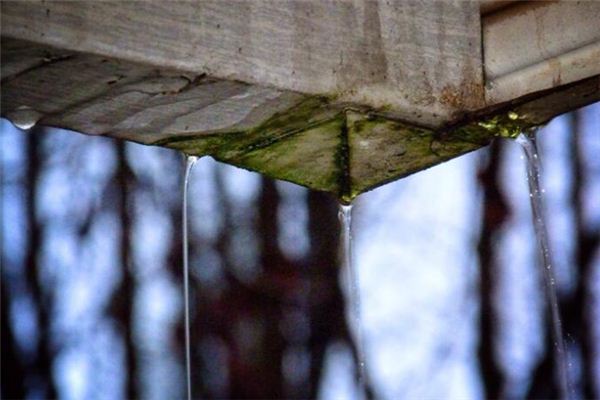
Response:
column 418, row 59
column 338, row 96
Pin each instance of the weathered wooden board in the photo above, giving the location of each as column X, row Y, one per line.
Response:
column 106, row 96
column 337, row 96
column 420, row 59
column 531, row 46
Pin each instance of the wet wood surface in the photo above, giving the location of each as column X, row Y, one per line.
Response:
column 338, row 96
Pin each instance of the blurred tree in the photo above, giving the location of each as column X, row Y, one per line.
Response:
column 280, row 278
column 577, row 306
column 261, row 319
column 41, row 368
column 327, row 304
column 122, row 306
column 13, row 370
column 494, row 215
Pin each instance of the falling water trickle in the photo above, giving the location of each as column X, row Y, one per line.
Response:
column 541, row 233
column 345, row 217
column 24, row 117
column 190, row 161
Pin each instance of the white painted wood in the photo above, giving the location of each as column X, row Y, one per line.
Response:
column 420, row 60
column 339, row 96
column 571, row 67
column 102, row 96
column 532, row 46
column 527, row 33
column 489, row 6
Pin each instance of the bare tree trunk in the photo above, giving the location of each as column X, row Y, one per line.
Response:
column 42, row 366
column 577, row 310
column 543, row 383
column 274, row 266
column 495, row 212
column 122, row 305
column 327, row 303
column 265, row 300
column 13, row 371
column 239, row 302
column 326, row 300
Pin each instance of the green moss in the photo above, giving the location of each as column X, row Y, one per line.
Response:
column 202, row 145
column 342, row 161
column 513, row 115
column 346, row 153
column 225, row 145
column 508, row 125
column 308, row 158
column 382, row 150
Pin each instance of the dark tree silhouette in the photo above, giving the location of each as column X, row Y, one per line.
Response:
column 268, row 299
column 326, row 300
column 576, row 307
column 279, row 278
column 495, row 213
column 40, row 292
column 122, row 302
column 13, row 370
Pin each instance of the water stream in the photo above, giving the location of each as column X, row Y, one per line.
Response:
column 541, row 233
column 345, row 217
column 190, row 161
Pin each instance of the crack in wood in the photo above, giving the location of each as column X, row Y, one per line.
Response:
column 49, row 60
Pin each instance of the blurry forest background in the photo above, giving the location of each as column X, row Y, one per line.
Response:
column 452, row 304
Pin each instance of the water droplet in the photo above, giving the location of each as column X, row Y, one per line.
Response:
column 24, row 117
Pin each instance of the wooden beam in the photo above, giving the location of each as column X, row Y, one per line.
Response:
column 532, row 46
column 337, row 96
column 420, row 60
column 490, row 6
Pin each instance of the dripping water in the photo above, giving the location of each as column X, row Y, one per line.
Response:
column 345, row 217
column 24, row 117
column 190, row 161
column 541, row 233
